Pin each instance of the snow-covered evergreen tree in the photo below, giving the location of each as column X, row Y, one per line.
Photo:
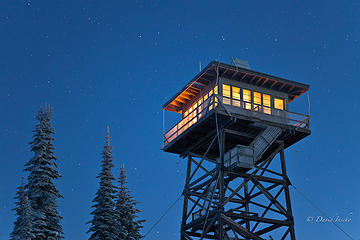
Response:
column 126, row 211
column 23, row 224
column 103, row 224
column 42, row 169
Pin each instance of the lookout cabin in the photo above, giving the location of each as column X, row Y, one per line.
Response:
column 238, row 98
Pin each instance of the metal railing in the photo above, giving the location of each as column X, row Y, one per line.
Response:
column 282, row 116
column 192, row 117
column 256, row 110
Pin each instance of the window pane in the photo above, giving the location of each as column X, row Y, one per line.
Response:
column 257, row 98
column 226, row 90
column 226, row 101
column 205, row 97
column 267, row 110
column 236, row 103
column 257, row 107
column 236, row 93
column 279, row 103
column 246, row 95
column 266, row 100
column 216, row 89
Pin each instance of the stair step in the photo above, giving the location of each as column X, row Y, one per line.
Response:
column 246, row 156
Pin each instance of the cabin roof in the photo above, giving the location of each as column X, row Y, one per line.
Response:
column 208, row 75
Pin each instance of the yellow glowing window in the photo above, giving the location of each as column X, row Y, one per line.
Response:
column 186, row 113
column 200, row 105
column 257, row 98
column 205, row 97
column 194, row 106
column 266, row 100
column 226, row 101
column 181, row 123
column 236, row 103
column 246, row 95
column 226, row 90
column 211, row 93
column 216, row 89
column 279, row 103
column 267, row 110
column 236, row 96
column 236, row 93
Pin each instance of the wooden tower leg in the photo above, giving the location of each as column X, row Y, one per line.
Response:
column 220, row 167
column 186, row 199
column 287, row 194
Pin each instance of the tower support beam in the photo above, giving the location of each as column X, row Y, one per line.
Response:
column 228, row 203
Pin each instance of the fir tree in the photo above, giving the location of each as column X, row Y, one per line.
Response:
column 23, row 224
column 42, row 169
column 126, row 211
column 103, row 225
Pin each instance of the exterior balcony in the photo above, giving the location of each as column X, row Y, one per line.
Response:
column 215, row 110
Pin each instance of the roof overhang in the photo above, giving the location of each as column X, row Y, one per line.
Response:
column 209, row 74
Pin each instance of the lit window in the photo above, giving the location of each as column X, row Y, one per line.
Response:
column 257, row 101
column 236, row 93
column 247, row 105
column 266, row 103
column 186, row 113
column 205, row 97
column 216, row 89
column 257, row 98
column 279, row 103
column 226, row 91
column 266, row 100
column 226, row 101
column 200, row 105
column 267, row 110
column 247, row 98
column 236, row 96
column 246, row 95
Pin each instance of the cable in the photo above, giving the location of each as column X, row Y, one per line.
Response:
column 162, row 216
column 321, row 211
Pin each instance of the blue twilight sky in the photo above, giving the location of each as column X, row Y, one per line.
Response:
column 115, row 63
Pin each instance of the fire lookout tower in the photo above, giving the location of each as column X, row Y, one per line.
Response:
column 234, row 128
